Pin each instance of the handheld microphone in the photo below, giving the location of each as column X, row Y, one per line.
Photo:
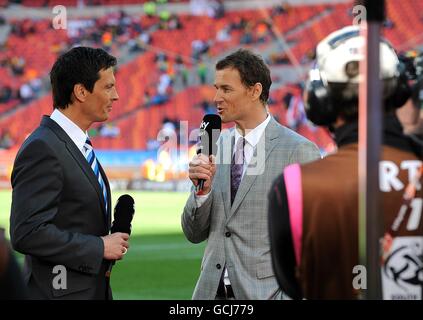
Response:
column 123, row 214
column 209, row 134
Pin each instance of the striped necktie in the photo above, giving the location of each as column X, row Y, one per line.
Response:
column 93, row 162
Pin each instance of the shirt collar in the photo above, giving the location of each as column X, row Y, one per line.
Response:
column 72, row 130
column 253, row 136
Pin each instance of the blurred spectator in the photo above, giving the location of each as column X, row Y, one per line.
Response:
column 80, row 4
column 107, row 40
column 216, row 9
column 388, row 23
column 280, row 9
column 17, row 65
column 23, row 27
column 174, row 23
column 158, row 99
column 295, row 113
column 12, row 286
column 161, row 61
column 181, row 70
column 276, row 58
column 153, row 144
column 145, row 38
column 36, row 85
column 109, row 130
column 198, row 48
column 198, row 7
column 223, row 35
column 309, row 56
column 140, row 43
column 239, row 23
column 5, row 94
column 164, row 16
column 150, row 9
column 164, row 82
column 247, row 37
column 147, row 98
column 271, row 101
column 202, row 72
column 287, row 99
column 261, row 32
column 170, row 130
column 26, row 93
column 168, row 127
column 160, row 56
column 93, row 132
column 6, row 141
column 208, row 107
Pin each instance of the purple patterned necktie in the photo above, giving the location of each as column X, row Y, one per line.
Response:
column 237, row 167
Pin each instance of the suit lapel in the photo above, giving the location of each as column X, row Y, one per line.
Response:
column 270, row 140
column 80, row 159
column 226, row 145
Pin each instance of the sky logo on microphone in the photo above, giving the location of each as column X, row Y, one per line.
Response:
column 204, row 125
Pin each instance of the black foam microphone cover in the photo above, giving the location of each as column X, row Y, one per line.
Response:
column 123, row 214
column 209, row 134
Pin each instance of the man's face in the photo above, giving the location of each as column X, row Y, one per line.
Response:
column 233, row 99
column 99, row 102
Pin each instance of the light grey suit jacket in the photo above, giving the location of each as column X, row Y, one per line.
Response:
column 238, row 236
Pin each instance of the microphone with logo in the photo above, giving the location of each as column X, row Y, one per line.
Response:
column 209, row 134
column 123, row 214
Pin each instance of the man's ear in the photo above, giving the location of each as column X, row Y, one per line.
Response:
column 256, row 91
column 79, row 92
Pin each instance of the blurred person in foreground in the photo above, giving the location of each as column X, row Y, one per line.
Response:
column 61, row 200
column 12, row 286
column 313, row 211
column 411, row 114
column 230, row 212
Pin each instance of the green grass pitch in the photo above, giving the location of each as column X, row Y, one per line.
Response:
column 160, row 264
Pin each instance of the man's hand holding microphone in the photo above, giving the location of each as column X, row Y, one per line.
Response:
column 115, row 245
column 202, row 167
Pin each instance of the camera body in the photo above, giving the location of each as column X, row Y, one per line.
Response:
column 413, row 64
column 333, row 83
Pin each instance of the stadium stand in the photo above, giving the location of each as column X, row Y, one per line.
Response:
column 301, row 26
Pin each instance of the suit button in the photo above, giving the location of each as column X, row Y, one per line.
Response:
column 227, row 234
column 218, row 266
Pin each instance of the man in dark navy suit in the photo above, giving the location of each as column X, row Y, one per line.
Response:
column 61, row 208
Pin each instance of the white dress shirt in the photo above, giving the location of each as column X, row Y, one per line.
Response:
column 72, row 130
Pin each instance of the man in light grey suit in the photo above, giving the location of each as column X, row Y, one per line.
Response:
column 230, row 211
